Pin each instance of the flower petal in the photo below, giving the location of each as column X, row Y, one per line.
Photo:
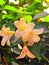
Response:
column 16, row 23
column 20, row 23
column 25, row 36
column 18, row 34
column 2, row 33
column 8, row 42
column 29, row 54
column 22, row 54
column 30, row 42
column 4, row 40
column 30, row 25
column 36, row 38
column 39, row 31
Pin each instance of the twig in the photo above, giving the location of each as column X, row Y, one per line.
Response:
column 0, row 60
column 5, row 61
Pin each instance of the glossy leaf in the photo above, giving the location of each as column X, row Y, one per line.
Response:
column 12, row 8
column 2, row 2
column 28, row 18
column 46, row 18
column 7, row 16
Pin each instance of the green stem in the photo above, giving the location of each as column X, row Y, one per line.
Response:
column 45, row 58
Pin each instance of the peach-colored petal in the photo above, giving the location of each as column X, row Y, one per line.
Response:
column 8, row 42
column 22, row 20
column 25, row 36
column 5, row 29
column 36, row 38
column 4, row 40
column 30, row 25
column 18, row 34
column 39, row 31
column 20, row 23
column 30, row 55
column 30, row 42
column 22, row 54
column 2, row 33
column 17, row 24
column 33, row 39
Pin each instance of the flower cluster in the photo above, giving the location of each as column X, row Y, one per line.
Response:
column 26, row 31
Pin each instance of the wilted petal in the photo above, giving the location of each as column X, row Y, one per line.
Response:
column 39, row 31
column 4, row 40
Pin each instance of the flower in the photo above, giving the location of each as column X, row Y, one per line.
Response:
column 6, row 34
column 22, row 27
column 25, row 51
column 32, row 36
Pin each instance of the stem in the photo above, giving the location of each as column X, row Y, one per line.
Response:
column 5, row 61
column 45, row 58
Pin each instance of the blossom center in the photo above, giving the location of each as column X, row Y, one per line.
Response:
column 22, row 27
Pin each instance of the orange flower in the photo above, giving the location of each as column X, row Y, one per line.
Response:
column 25, row 51
column 22, row 27
column 32, row 36
column 6, row 34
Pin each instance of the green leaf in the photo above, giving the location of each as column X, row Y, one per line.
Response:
column 12, row 8
column 21, row 2
column 9, row 24
column 36, row 50
column 46, row 18
column 28, row 18
column 8, row 16
column 39, row 1
column 2, row 2
column 31, row 7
